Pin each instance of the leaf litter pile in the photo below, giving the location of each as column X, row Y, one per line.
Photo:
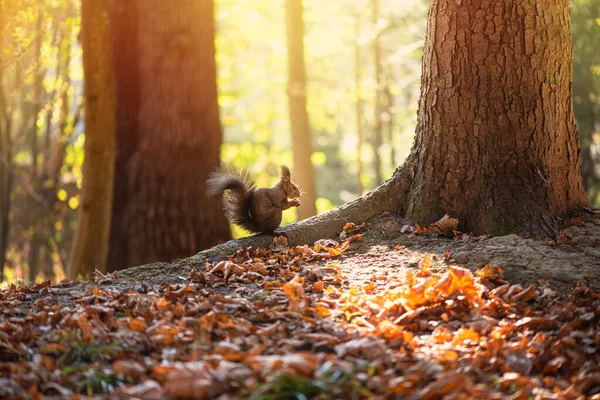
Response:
column 284, row 323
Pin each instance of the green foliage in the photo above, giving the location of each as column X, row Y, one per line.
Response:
column 98, row 381
column 79, row 352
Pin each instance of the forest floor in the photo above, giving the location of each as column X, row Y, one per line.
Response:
column 381, row 312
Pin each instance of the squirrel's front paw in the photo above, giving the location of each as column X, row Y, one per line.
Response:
column 295, row 203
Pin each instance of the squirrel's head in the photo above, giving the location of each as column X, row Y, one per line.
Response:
column 291, row 190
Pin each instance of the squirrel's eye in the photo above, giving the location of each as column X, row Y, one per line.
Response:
column 294, row 188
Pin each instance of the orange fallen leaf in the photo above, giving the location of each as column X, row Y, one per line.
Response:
column 563, row 238
column 464, row 334
column 490, row 272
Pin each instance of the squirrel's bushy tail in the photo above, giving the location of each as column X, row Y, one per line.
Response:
column 236, row 203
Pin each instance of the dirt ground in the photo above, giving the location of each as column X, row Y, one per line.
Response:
column 386, row 250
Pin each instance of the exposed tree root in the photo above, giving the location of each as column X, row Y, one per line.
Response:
column 389, row 196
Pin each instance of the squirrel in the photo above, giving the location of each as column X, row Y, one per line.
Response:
column 256, row 210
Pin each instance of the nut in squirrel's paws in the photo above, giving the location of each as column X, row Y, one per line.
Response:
column 296, row 203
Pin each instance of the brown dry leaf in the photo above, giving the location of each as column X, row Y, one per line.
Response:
column 459, row 280
column 279, row 243
column 441, row 335
column 129, row 368
column 445, row 385
column 322, row 310
column 426, row 262
column 227, row 268
column 446, row 225
column 318, row 286
column 563, row 238
column 351, row 239
column 268, row 330
column 272, row 285
column 163, row 304
column 543, row 323
column 491, row 272
column 388, row 330
column 351, row 227
column 420, row 231
column 334, row 251
column 147, row 390
column 137, row 324
column 199, row 380
column 528, row 294
column 295, row 289
column 303, row 364
column 369, row 345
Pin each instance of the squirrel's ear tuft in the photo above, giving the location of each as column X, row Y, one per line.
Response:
column 285, row 173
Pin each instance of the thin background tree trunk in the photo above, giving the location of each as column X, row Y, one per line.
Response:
column 358, row 105
column 35, row 199
column 377, row 107
column 5, row 155
column 90, row 247
column 304, row 173
column 168, row 132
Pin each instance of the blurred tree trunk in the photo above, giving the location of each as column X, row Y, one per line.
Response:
column 358, row 105
column 378, row 109
column 389, row 113
column 35, row 198
column 90, row 247
column 168, row 131
column 304, row 173
column 5, row 154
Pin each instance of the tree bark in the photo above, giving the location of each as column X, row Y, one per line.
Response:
column 304, row 173
column 168, row 131
column 90, row 247
column 496, row 145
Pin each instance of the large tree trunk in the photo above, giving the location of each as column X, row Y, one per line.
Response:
column 304, row 173
column 168, row 131
column 496, row 145
column 90, row 247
